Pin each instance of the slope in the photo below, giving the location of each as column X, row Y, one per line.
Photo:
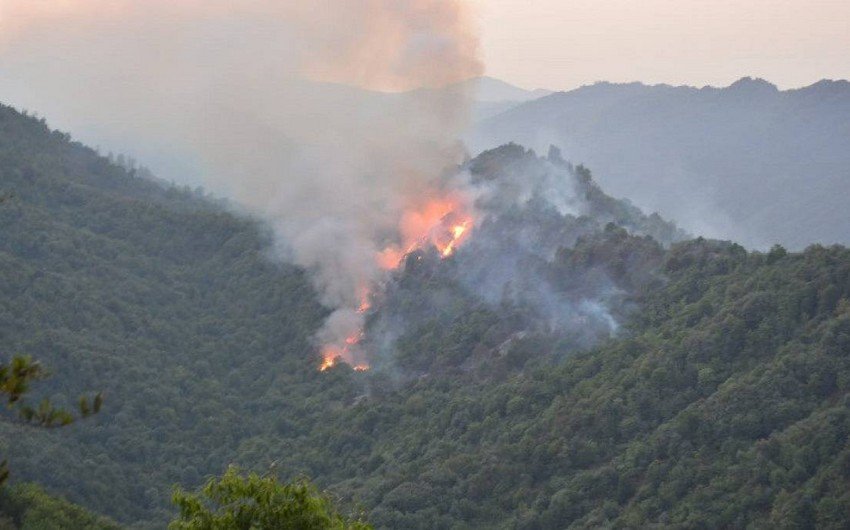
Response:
column 161, row 298
column 718, row 399
column 177, row 309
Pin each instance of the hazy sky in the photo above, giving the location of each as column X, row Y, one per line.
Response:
column 561, row 44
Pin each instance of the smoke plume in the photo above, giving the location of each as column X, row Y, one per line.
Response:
column 267, row 98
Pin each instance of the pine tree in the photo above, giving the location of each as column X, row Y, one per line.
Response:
column 15, row 380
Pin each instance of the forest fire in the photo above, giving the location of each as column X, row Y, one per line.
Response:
column 444, row 224
column 331, row 355
column 457, row 235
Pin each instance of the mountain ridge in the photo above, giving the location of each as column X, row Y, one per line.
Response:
column 747, row 162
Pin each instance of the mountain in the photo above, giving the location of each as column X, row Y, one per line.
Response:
column 532, row 267
column 747, row 162
column 627, row 377
column 492, row 90
column 493, row 96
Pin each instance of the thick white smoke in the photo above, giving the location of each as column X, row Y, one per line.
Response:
column 266, row 95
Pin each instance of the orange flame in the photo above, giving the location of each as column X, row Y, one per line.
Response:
column 333, row 354
column 457, row 236
column 328, row 362
column 445, row 223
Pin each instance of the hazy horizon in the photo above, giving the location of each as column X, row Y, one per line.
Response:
column 564, row 45
column 663, row 83
column 530, row 88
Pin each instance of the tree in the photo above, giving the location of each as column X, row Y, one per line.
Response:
column 252, row 502
column 15, row 380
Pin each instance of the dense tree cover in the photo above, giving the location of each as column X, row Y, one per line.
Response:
column 240, row 502
column 443, row 321
column 169, row 304
column 28, row 507
column 721, row 400
column 725, row 404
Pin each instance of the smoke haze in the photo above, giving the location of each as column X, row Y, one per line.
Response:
column 264, row 97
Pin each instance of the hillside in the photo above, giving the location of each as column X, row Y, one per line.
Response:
column 747, row 162
column 664, row 381
column 165, row 301
column 725, row 406
column 27, row 507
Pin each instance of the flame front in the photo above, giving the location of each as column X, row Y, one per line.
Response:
column 329, row 361
column 457, row 232
column 331, row 355
column 334, row 353
column 443, row 223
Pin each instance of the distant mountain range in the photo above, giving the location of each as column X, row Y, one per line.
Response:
column 747, row 162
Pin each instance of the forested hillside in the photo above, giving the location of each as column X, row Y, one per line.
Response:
column 198, row 338
column 692, row 383
column 724, row 406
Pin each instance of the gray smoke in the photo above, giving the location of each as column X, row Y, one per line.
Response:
column 265, row 98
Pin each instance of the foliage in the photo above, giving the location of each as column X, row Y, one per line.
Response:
column 27, row 507
column 249, row 502
column 15, row 379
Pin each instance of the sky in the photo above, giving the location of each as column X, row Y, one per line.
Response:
column 563, row 44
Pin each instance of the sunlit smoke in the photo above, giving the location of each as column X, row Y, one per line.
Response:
column 444, row 223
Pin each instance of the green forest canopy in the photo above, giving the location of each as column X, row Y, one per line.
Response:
column 723, row 403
